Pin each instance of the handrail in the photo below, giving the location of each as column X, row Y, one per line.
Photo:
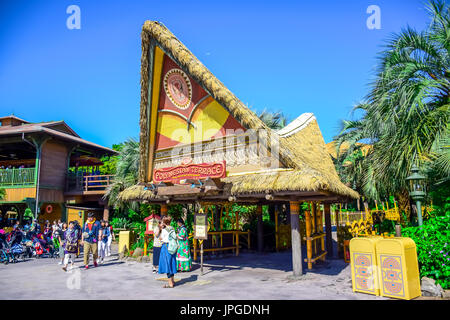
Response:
column 17, row 177
column 89, row 182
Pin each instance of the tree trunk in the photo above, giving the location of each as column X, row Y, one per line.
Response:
column 404, row 205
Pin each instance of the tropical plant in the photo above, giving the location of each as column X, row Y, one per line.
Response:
column 2, row 193
column 274, row 120
column 126, row 175
column 120, row 223
column 433, row 248
column 406, row 113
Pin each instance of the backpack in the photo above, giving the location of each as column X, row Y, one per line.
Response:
column 173, row 243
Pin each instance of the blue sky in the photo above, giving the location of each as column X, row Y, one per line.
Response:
column 290, row 56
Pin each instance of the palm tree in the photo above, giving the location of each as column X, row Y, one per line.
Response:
column 274, row 120
column 126, row 174
column 406, row 112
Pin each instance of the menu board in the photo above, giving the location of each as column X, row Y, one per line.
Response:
column 200, row 226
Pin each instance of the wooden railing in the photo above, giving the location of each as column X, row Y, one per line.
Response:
column 89, row 182
column 17, row 177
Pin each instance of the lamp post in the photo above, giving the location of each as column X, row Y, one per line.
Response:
column 417, row 190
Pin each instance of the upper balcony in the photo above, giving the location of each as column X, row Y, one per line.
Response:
column 87, row 184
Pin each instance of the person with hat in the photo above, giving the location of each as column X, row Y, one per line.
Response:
column 90, row 238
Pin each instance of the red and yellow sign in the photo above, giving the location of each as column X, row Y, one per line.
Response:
column 190, row 171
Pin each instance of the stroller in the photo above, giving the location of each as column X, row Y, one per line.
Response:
column 14, row 245
column 41, row 246
column 4, row 250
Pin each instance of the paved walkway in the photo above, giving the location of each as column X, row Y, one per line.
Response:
column 249, row 276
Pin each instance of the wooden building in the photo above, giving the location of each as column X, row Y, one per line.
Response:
column 200, row 144
column 47, row 166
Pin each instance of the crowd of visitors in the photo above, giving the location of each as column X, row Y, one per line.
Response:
column 171, row 251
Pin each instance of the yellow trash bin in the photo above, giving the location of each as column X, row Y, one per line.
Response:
column 363, row 263
column 398, row 268
column 124, row 240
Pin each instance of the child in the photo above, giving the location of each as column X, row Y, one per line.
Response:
column 103, row 241
column 110, row 238
column 70, row 245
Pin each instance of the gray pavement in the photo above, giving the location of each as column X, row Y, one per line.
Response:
column 249, row 276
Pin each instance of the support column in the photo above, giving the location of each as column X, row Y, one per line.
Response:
column 106, row 213
column 164, row 210
column 328, row 231
column 260, row 229
column 295, row 239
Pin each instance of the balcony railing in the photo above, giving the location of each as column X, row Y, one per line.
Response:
column 17, row 177
column 88, row 182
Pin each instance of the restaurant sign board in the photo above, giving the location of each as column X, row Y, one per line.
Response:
column 190, row 171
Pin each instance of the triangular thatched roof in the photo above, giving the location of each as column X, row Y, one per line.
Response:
column 302, row 150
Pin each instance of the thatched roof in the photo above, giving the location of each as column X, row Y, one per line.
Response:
column 314, row 170
column 301, row 145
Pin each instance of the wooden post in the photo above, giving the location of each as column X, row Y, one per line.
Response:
column 260, row 228
column 106, row 213
column 145, row 245
column 237, row 243
column 195, row 249
column 201, row 257
column 398, row 230
column 164, row 210
column 328, row 231
column 308, row 238
column 276, row 229
column 295, row 238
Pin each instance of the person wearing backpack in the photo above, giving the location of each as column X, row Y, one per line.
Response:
column 91, row 233
column 167, row 259
column 70, row 245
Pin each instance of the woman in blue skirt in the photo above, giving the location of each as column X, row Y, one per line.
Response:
column 167, row 261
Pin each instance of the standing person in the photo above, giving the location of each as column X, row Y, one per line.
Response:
column 184, row 262
column 157, row 243
column 167, row 261
column 111, row 238
column 60, row 224
column 60, row 235
column 89, row 241
column 77, row 227
column 71, row 239
column 103, row 241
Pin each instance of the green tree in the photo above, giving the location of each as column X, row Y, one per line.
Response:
column 2, row 193
column 274, row 120
column 405, row 115
column 126, row 174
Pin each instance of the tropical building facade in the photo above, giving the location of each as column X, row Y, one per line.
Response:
column 200, row 144
column 48, row 168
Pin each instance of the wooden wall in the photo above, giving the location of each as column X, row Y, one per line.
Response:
column 72, row 215
column 53, row 171
column 56, row 214
column 54, row 164
column 18, row 194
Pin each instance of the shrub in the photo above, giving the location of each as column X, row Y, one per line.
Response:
column 433, row 248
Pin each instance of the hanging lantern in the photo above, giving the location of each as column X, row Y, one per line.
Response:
column 151, row 223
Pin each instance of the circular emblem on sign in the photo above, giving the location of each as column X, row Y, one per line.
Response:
column 178, row 88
